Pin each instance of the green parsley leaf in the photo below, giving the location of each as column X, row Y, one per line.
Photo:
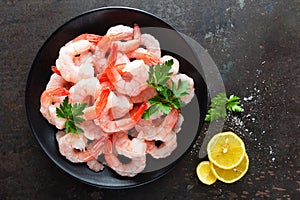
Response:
column 72, row 114
column 166, row 98
column 160, row 74
column 220, row 104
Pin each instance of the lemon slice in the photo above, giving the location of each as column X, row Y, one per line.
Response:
column 205, row 173
column 231, row 175
column 226, row 150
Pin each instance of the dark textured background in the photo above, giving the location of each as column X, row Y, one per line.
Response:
column 255, row 45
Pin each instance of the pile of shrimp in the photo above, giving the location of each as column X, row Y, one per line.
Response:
column 110, row 74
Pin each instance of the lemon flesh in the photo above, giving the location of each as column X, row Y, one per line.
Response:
column 205, row 173
column 231, row 175
column 226, row 150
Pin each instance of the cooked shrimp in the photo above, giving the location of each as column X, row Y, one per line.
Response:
column 56, row 81
column 89, row 113
column 131, row 85
column 115, row 33
column 120, row 32
column 99, row 57
column 129, row 79
column 151, row 45
column 118, row 104
column 175, row 67
column 150, row 52
column 96, row 110
column 95, row 165
column 165, row 149
column 151, row 131
column 143, row 54
column 135, row 166
column 144, row 95
column 122, row 59
column 101, row 103
column 127, row 147
column 109, row 125
column 74, row 147
column 70, row 67
column 179, row 123
column 130, row 45
column 50, row 99
column 191, row 92
column 84, row 89
column 92, row 38
column 91, row 131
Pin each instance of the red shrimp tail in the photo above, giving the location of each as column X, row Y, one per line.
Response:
column 58, row 92
column 55, row 70
column 112, row 58
column 93, row 38
column 148, row 58
column 138, row 113
column 111, row 70
column 101, row 102
column 104, row 81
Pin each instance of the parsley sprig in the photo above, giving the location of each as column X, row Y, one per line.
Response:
column 220, row 104
column 72, row 113
column 166, row 98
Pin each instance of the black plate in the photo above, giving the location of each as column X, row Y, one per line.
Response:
column 98, row 21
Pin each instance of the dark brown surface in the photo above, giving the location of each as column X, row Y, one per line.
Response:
column 255, row 44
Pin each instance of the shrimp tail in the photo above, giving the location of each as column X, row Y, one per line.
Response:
column 56, row 92
column 55, row 70
column 112, row 58
column 101, row 102
column 139, row 112
column 146, row 57
column 93, row 38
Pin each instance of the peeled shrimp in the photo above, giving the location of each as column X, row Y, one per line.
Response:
column 120, row 32
column 84, row 89
column 122, row 59
column 95, row 165
column 109, row 125
column 72, row 68
column 165, row 149
column 144, row 95
column 56, row 81
column 150, row 131
column 130, row 45
column 151, row 45
column 118, row 104
column 50, row 100
column 135, row 166
column 99, row 59
column 134, row 83
column 92, row 38
column 127, row 147
column 74, row 147
column 91, row 131
column 143, row 54
column 115, row 33
column 177, row 126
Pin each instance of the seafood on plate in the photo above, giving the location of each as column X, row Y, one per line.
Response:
column 116, row 95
